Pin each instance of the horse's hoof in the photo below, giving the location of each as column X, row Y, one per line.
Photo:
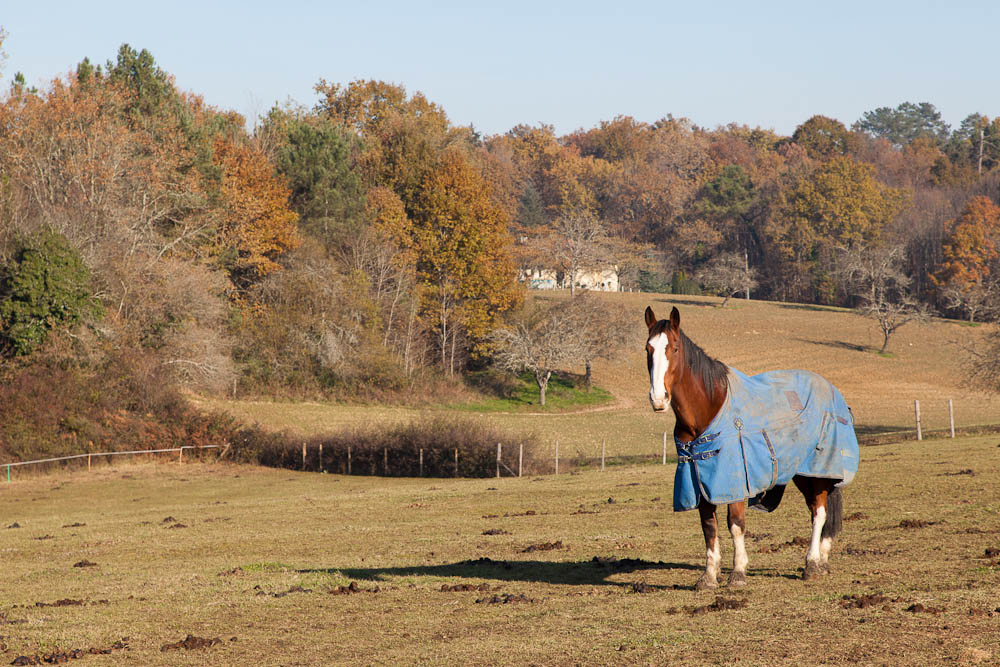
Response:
column 812, row 571
column 737, row 579
column 705, row 583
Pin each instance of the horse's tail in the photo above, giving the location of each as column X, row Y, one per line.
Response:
column 834, row 513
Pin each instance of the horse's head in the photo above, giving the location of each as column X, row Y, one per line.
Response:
column 662, row 356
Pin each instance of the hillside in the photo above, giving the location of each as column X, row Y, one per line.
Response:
column 925, row 363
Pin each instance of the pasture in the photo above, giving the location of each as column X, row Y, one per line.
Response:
column 589, row 568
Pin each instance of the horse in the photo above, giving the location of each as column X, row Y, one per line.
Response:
column 741, row 439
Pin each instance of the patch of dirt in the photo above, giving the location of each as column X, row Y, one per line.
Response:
column 865, row 600
column 506, row 598
column 14, row 525
column 66, row 602
column 59, row 656
column 235, row 572
column 485, row 560
column 353, row 588
column 583, row 511
column 544, row 546
column 857, row 516
column 720, row 604
column 797, row 541
column 461, row 588
column 191, row 643
column 74, row 525
column 85, row 563
column 858, row 551
column 967, row 471
column 642, row 587
column 992, row 552
column 170, row 519
column 621, row 564
column 629, row 484
column 281, row 594
column 176, row 525
column 917, row 523
column 919, row 608
column 496, row 531
column 45, row 537
column 611, row 501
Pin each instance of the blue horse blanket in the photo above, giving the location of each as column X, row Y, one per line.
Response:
column 771, row 427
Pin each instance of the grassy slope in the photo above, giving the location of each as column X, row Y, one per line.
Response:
column 754, row 336
column 411, row 536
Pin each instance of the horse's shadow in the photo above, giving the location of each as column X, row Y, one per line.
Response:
column 594, row 572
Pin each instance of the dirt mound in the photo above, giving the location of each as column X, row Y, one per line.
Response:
column 544, row 546
column 458, row 588
column 966, row 471
column 642, row 587
column 281, row 594
column 797, row 541
column 496, row 531
column 916, row 523
column 506, row 598
column 59, row 656
column 353, row 588
column 74, row 525
column 858, row 551
column 866, row 600
column 857, row 516
column 720, row 604
column 85, row 563
column 919, row 608
column 191, row 643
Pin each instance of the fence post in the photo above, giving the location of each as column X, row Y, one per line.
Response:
column 321, row 457
column 916, row 410
column 385, row 461
column 520, row 458
column 348, row 460
column 664, row 448
column 8, row 473
column 602, row 455
column 303, row 456
column 557, row 457
column 951, row 416
column 180, row 454
column 88, row 462
column 456, row 462
column 421, row 462
column 498, row 460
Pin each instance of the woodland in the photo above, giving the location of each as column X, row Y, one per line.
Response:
column 364, row 247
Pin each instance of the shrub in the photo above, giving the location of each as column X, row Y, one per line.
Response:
column 371, row 446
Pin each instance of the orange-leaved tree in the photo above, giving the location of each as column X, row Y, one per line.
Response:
column 970, row 268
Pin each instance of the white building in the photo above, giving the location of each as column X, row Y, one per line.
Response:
column 601, row 280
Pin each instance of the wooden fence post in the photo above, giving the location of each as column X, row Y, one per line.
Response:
column 421, row 463
column 180, row 454
column 951, row 416
column 498, row 460
column 385, row 461
column 916, row 410
column 348, row 460
column 520, row 458
column 321, row 457
column 456, row 462
column 303, row 456
column 557, row 457
column 88, row 463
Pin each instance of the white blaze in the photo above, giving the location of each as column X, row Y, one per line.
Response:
column 657, row 390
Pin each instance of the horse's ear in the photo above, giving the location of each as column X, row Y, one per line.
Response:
column 650, row 318
column 675, row 319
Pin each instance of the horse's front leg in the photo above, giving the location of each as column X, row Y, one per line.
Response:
column 736, row 519
column 713, row 555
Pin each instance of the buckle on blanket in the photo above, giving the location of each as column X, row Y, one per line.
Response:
column 688, row 457
column 686, row 450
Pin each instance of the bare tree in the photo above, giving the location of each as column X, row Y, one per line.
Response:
column 981, row 298
column 875, row 276
column 599, row 328
column 578, row 245
column 728, row 275
column 984, row 361
column 536, row 341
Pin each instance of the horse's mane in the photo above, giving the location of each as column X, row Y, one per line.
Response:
column 713, row 373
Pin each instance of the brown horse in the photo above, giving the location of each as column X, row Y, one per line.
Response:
column 704, row 393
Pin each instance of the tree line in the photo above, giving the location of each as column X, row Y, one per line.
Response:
column 366, row 243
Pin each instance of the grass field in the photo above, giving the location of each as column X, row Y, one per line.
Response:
column 251, row 555
column 925, row 363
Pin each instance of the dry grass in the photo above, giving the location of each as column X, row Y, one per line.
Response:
column 252, row 532
column 926, row 364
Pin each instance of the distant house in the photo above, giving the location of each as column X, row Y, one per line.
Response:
column 602, row 280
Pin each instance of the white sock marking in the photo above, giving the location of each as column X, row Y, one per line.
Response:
column 813, row 556
column 740, row 559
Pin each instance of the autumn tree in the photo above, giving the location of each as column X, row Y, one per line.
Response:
column 970, row 267
column 577, row 245
column 824, row 138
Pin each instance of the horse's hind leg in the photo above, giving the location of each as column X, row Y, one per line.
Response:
column 818, row 494
column 713, row 554
column 736, row 518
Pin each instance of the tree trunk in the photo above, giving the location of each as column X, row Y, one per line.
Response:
column 885, row 341
column 542, row 378
column 588, row 382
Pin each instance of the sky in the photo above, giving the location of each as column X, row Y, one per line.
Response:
column 495, row 65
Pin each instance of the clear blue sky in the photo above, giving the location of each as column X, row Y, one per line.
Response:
column 569, row 64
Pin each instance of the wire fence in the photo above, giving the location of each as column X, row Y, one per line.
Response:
column 89, row 456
